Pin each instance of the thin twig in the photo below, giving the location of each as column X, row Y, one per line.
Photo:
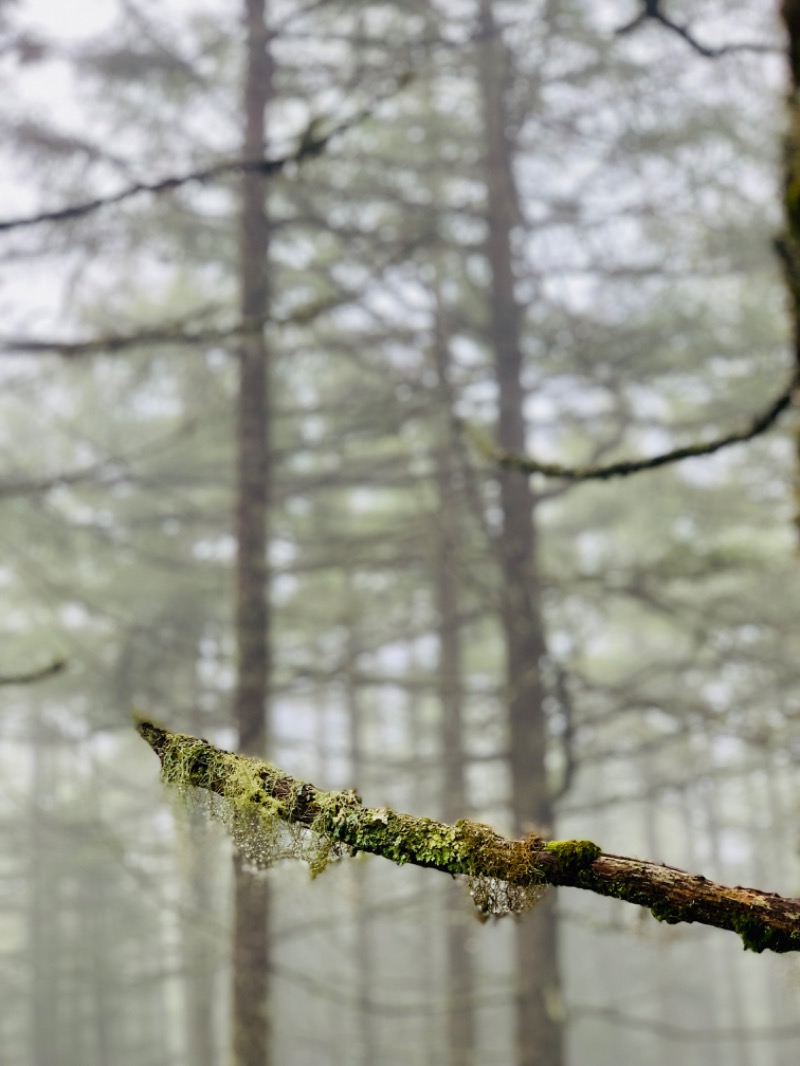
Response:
column 651, row 11
column 312, row 144
column 625, row 467
column 37, row 675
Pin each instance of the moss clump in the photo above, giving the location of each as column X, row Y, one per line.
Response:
column 262, row 825
column 572, row 857
column 665, row 910
column 401, row 838
column 756, row 936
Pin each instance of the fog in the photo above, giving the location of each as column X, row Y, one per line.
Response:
column 342, row 345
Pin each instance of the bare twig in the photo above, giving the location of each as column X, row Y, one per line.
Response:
column 169, row 333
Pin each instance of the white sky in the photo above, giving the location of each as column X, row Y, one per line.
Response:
column 68, row 21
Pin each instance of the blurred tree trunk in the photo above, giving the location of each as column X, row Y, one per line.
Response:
column 250, row 947
column 460, row 977
column 429, row 921
column 790, row 14
column 43, row 932
column 366, row 1052
column 198, row 942
column 740, row 1052
column 538, row 1001
column 95, row 923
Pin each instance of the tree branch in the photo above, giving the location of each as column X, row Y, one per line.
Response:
column 176, row 334
column 651, row 10
column 625, row 467
column 312, row 143
column 36, row 675
column 764, row 920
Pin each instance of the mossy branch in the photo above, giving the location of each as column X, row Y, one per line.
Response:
column 764, row 920
column 760, row 424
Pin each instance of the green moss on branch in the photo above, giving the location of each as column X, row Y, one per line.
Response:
column 260, row 803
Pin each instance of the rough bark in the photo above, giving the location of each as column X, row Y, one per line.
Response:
column 539, row 1029
column 250, row 940
column 764, row 920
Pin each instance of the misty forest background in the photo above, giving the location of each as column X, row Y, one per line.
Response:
column 529, row 224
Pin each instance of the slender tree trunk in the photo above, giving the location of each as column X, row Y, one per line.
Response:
column 251, row 949
column 740, row 1053
column 43, row 932
column 365, row 1054
column 790, row 14
column 95, row 925
column 538, row 1003
column 197, row 943
column 429, row 920
column 460, row 976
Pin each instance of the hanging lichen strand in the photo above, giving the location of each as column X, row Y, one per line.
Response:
column 271, row 815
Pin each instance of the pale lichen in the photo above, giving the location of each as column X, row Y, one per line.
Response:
column 497, row 899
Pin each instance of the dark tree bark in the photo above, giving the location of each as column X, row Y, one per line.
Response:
column 539, row 1029
column 250, row 946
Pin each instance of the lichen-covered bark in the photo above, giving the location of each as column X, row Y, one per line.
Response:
column 764, row 920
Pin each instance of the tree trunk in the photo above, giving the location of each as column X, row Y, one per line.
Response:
column 460, row 976
column 43, row 912
column 538, row 1005
column 251, row 949
column 365, row 1054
